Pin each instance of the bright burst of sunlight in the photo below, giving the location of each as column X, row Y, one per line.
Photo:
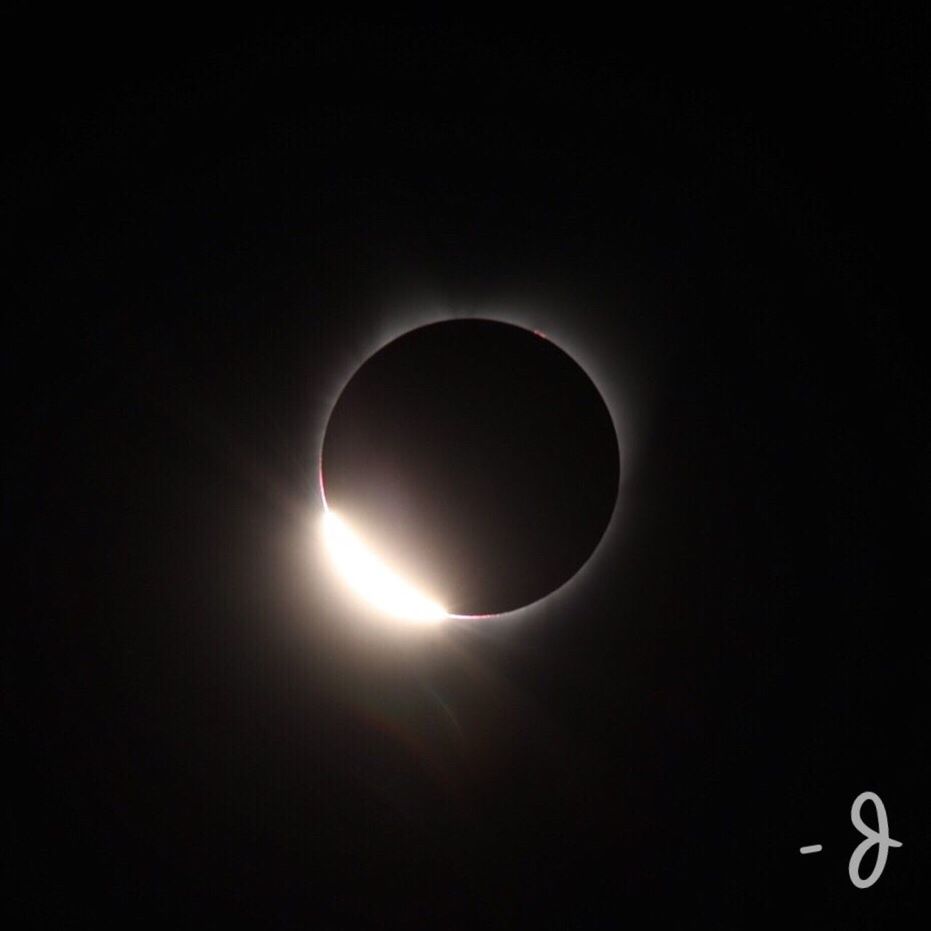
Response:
column 372, row 580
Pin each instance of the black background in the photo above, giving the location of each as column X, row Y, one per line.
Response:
column 212, row 223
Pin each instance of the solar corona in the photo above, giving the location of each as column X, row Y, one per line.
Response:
column 469, row 468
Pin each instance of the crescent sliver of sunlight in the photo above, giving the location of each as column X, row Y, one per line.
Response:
column 372, row 579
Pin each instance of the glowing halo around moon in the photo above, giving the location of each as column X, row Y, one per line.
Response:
column 356, row 558
column 372, row 580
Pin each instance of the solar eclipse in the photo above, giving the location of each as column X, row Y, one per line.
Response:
column 469, row 468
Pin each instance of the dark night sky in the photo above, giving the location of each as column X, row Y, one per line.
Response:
column 212, row 225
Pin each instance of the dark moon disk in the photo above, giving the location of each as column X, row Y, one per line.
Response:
column 477, row 460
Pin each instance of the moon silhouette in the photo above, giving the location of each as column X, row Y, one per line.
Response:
column 470, row 459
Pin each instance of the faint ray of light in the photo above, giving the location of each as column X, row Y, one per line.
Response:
column 372, row 580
